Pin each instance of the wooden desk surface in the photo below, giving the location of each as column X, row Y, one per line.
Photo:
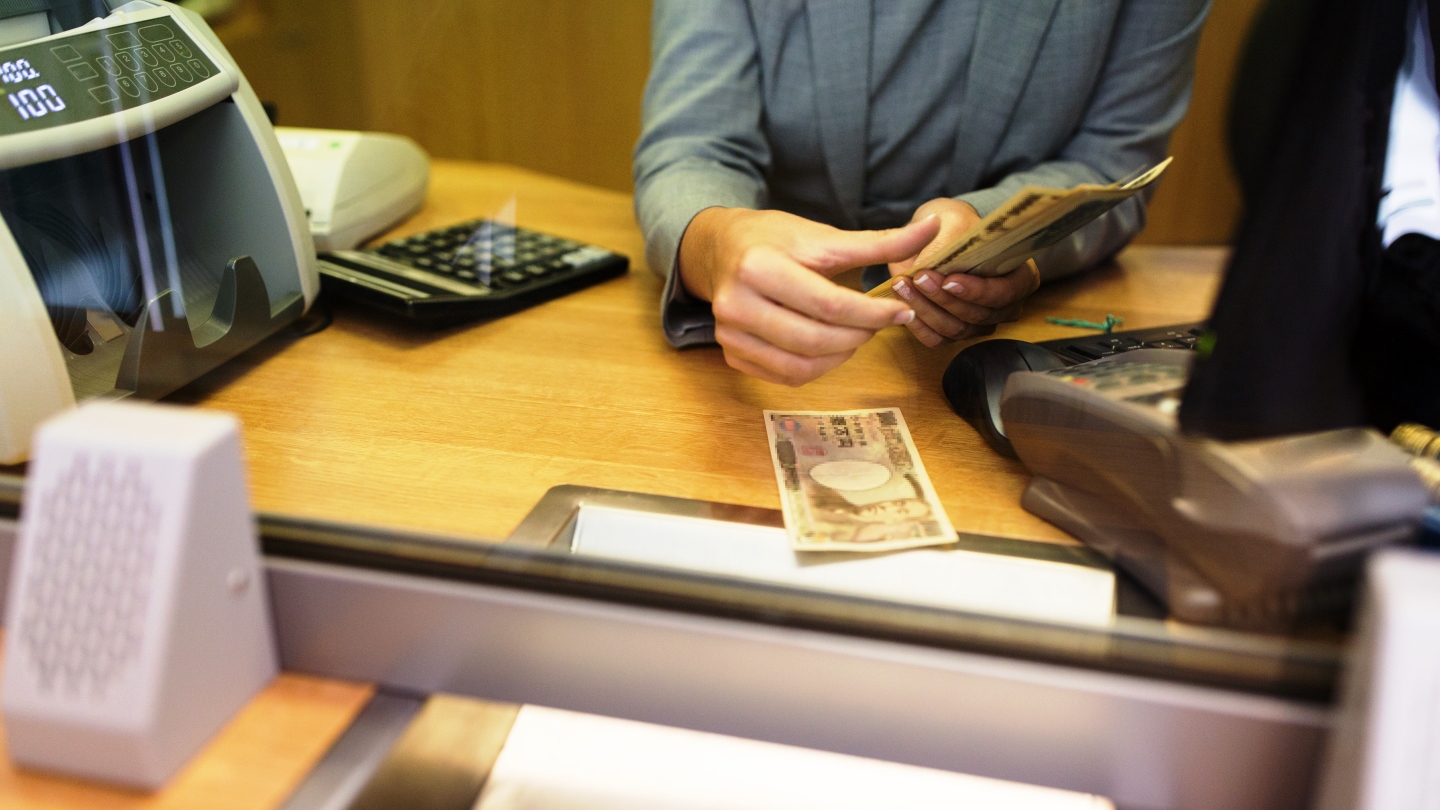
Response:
column 254, row 763
column 461, row 431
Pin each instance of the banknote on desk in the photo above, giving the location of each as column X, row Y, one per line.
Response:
column 1027, row 223
column 852, row 481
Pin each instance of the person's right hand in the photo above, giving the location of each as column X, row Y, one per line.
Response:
column 767, row 275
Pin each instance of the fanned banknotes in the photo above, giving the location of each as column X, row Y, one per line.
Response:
column 1027, row 223
column 852, row 481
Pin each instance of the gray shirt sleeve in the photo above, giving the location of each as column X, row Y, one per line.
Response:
column 701, row 143
column 1143, row 95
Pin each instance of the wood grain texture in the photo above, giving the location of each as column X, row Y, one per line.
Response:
column 555, row 86
column 1198, row 203
column 252, row 764
column 302, row 58
column 462, row 431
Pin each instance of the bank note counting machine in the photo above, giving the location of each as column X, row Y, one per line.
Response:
column 150, row 229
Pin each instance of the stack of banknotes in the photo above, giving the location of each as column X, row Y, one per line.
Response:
column 1027, row 223
column 852, row 481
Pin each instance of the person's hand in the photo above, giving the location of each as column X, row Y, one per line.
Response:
column 959, row 306
column 767, row 275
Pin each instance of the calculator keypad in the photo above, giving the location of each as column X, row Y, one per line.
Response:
column 485, row 254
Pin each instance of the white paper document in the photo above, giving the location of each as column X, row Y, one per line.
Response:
column 936, row 577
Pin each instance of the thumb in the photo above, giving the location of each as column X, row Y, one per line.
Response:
column 849, row 249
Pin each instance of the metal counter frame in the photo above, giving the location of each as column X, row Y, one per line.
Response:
column 1121, row 713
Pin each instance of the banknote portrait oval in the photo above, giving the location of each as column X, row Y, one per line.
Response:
column 850, row 476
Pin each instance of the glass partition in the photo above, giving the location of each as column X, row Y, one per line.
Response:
column 544, row 557
column 561, row 444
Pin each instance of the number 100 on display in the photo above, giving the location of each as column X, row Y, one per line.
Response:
column 36, row 102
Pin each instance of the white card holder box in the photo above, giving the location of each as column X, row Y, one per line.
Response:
column 138, row 620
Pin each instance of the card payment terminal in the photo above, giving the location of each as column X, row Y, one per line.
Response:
column 1255, row 534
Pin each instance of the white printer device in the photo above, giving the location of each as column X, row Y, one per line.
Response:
column 355, row 185
column 150, row 228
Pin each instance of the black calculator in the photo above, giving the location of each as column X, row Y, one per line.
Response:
column 476, row 269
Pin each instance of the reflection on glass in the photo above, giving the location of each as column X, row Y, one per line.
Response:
column 461, row 431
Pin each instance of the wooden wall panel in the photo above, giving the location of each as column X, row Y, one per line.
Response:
column 555, row 85
column 552, row 85
column 1198, row 202
column 302, row 57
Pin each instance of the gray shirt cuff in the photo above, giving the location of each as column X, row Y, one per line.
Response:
column 686, row 319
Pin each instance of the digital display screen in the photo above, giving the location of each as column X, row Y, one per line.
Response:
column 94, row 73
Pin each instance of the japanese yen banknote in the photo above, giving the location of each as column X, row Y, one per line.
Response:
column 1030, row 221
column 852, row 481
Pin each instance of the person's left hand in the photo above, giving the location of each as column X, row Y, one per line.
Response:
column 959, row 306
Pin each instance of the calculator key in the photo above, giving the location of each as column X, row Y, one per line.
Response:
column 468, row 275
column 444, row 267
column 425, row 262
column 148, row 58
column 514, row 277
column 166, row 77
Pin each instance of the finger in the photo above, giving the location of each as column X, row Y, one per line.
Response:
column 783, row 281
column 925, row 334
column 791, row 331
column 846, row 249
column 744, row 366
column 902, row 267
column 996, row 292
column 926, row 311
column 929, row 283
column 779, row 365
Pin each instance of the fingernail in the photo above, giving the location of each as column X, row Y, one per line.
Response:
column 954, row 287
column 927, row 283
column 903, row 290
column 904, row 316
